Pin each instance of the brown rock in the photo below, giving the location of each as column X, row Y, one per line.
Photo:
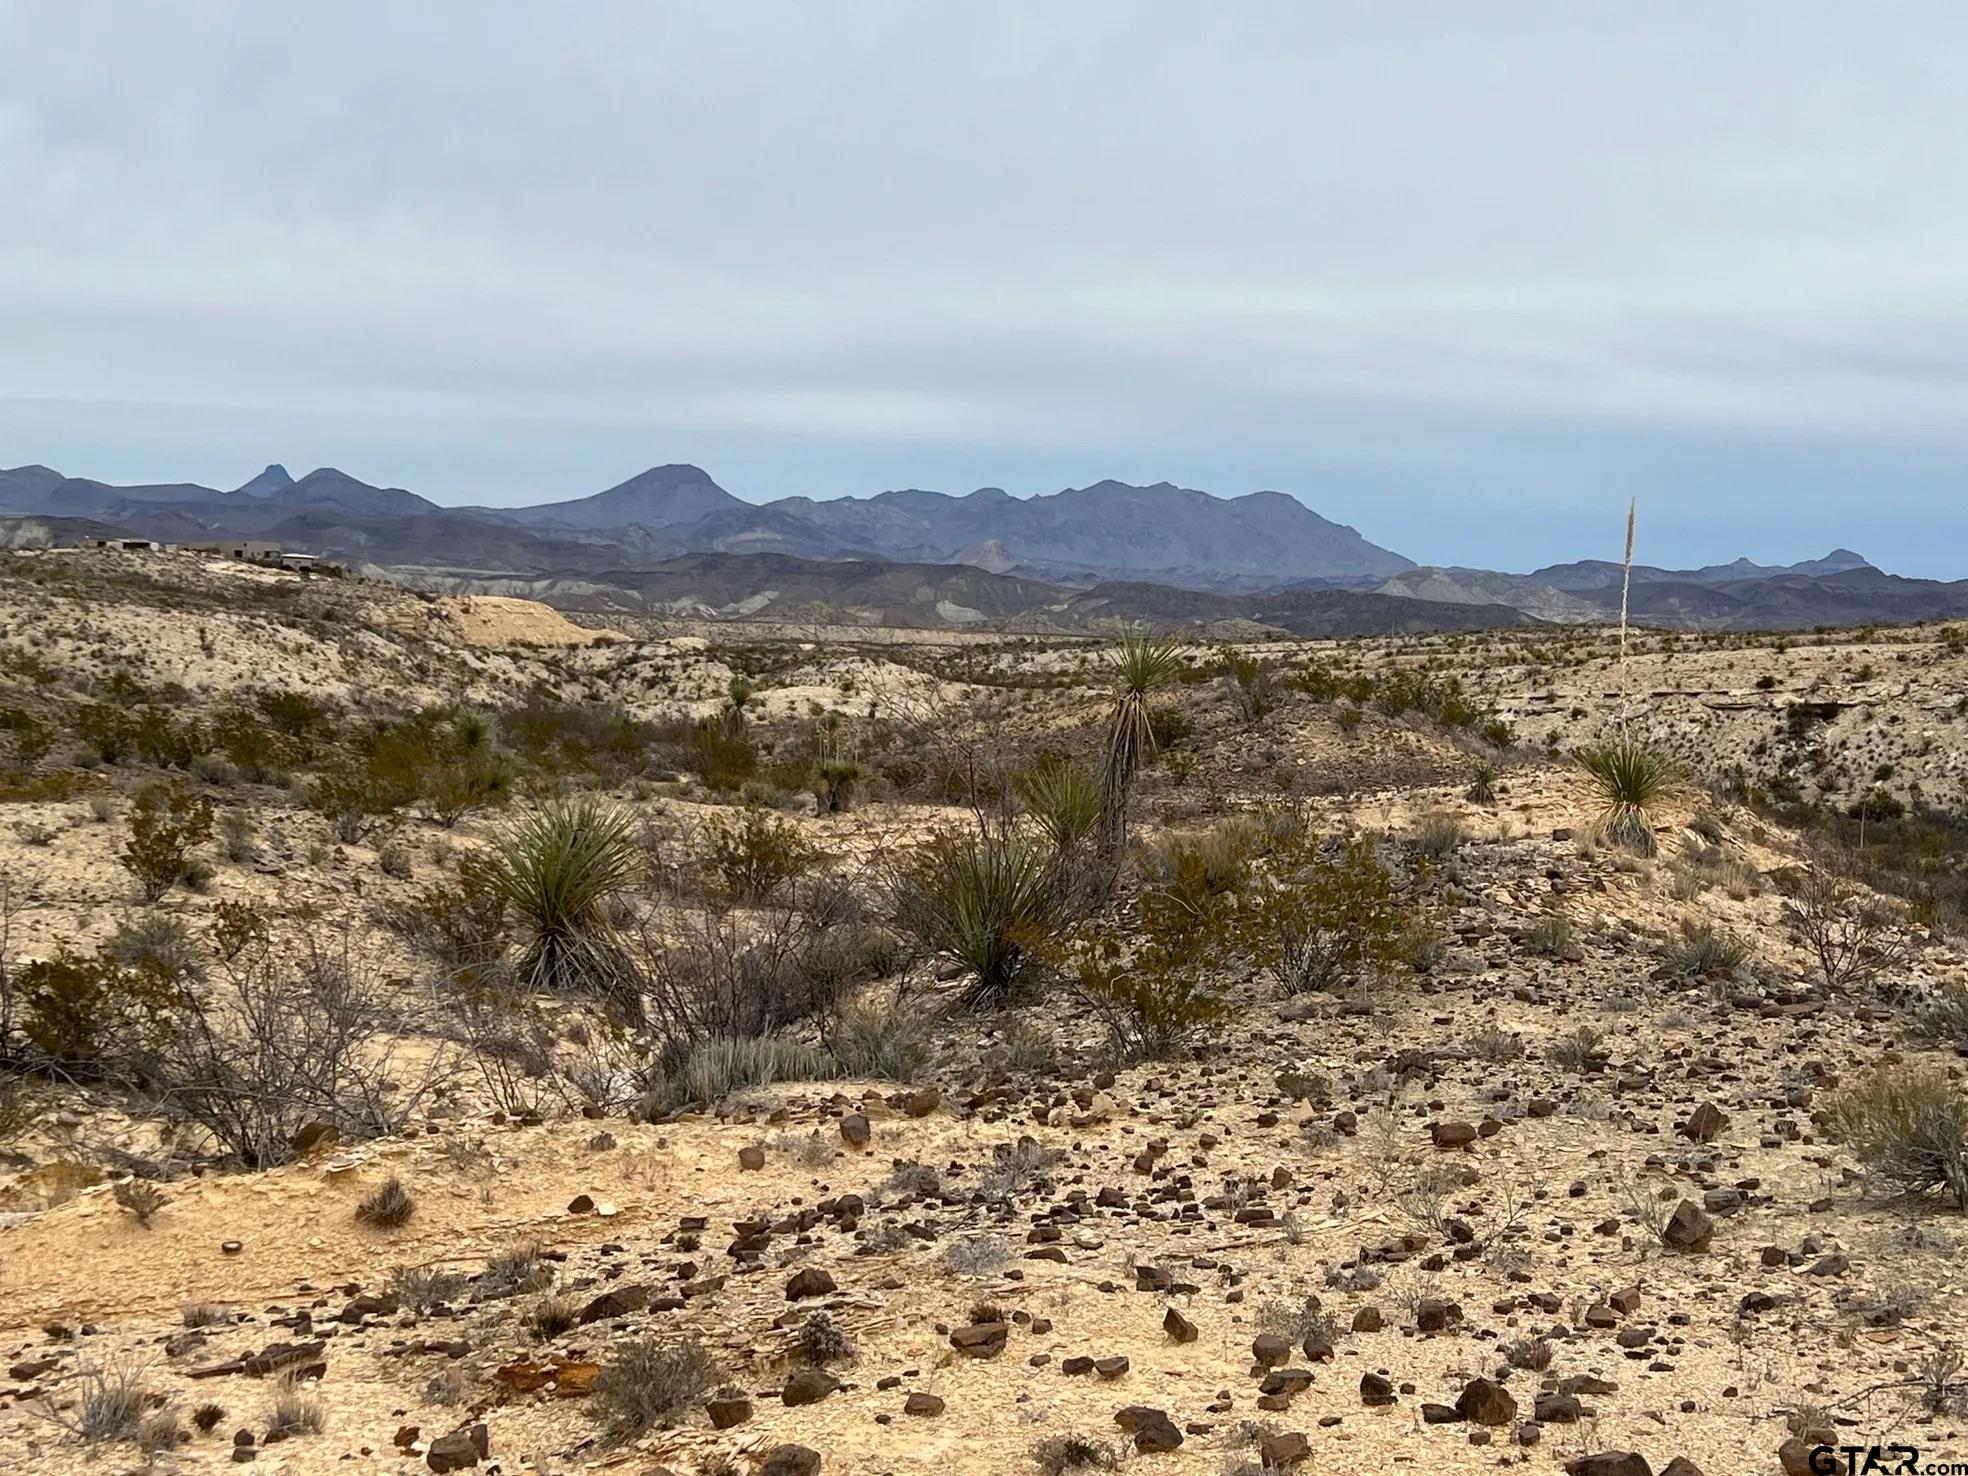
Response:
column 1689, row 1228
column 1704, row 1123
column 1269, row 1350
column 808, row 1386
column 618, row 1303
column 459, row 1449
column 1178, row 1327
column 790, row 1460
column 1152, row 1429
column 980, row 1339
column 1609, row 1463
column 1281, row 1452
column 1486, row 1402
column 809, row 1281
column 1452, row 1134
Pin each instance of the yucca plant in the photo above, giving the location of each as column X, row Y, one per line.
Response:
column 1141, row 663
column 979, row 901
column 1066, row 802
column 1632, row 779
column 559, row 870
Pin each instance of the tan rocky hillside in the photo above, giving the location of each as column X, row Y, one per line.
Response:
column 438, row 1036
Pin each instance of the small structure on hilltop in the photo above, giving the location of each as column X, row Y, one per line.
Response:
column 245, row 550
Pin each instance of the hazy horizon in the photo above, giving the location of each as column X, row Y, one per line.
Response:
column 1463, row 279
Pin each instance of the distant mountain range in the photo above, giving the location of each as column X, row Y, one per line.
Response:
column 672, row 540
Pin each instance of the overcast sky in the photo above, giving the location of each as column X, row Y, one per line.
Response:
column 1462, row 275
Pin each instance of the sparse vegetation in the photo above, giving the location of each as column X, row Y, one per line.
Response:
column 1852, row 936
column 1329, row 914
column 166, row 823
column 388, row 1207
column 755, row 853
column 1191, row 992
column 648, row 1382
column 1908, row 1128
column 1701, row 950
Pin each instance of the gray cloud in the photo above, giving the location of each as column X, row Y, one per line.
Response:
column 1462, row 275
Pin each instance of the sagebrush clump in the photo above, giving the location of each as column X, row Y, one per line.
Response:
column 648, row 1382
column 1908, row 1127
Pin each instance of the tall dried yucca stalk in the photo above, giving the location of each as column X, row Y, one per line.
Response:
column 1626, row 586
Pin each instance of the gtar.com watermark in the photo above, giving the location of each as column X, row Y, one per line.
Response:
column 1879, row 1460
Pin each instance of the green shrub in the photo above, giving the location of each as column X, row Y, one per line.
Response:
column 239, row 829
column 293, row 714
column 29, row 739
column 881, row 1040
column 1907, row 1126
column 1577, row 1049
column 108, row 733
column 356, row 803
column 165, row 741
column 1482, row 789
column 1703, row 949
column 979, row 901
column 160, row 942
column 166, row 821
column 82, row 1013
column 1065, row 802
column 1548, row 936
column 141, row 1199
column 463, row 924
column 723, row 759
column 755, row 853
column 1195, row 868
column 1150, row 991
column 1942, row 1016
column 1438, row 834
column 389, row 1207
column 461, row 784
column 1139, row 664
column 1329, row 915
column 1248, row 682
column 834, row 783
column 237, row 926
